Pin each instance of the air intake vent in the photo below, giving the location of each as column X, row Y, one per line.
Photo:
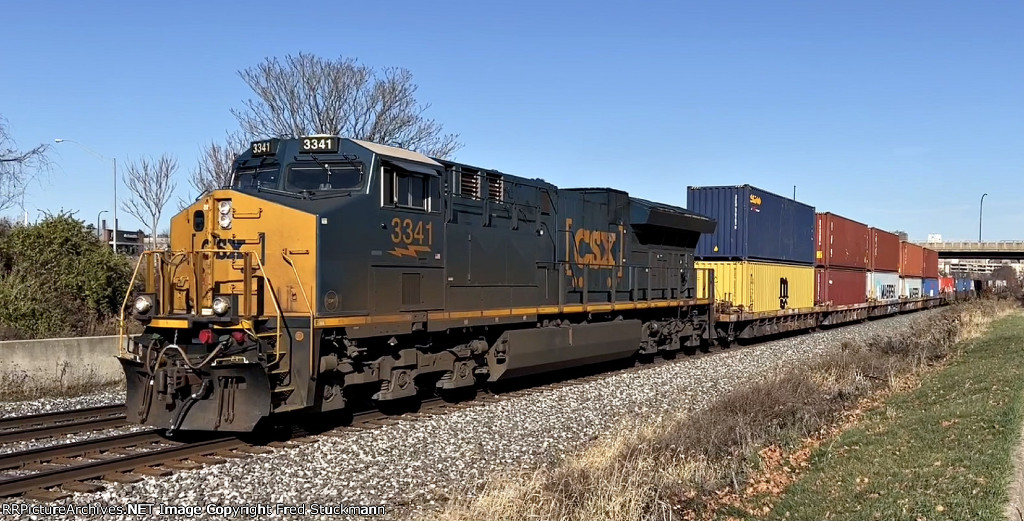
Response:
column 469, row 184
column 495, row 188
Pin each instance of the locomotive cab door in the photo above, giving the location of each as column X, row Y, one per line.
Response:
column 410, row 275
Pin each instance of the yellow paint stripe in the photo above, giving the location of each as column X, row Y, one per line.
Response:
column 169, row 322
column 506, row 312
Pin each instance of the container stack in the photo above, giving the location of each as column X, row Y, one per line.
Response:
column 911, row 270
column 841, row 259
column 762, row 251
column 883, row 278
column 930, row 283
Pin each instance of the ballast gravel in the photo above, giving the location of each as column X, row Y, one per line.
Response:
column 412, row 466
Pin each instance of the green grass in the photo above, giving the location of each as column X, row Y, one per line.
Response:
column 942, row 451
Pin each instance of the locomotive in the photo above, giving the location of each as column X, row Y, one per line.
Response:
column 335, row 272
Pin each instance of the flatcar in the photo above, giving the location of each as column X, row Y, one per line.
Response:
column 335, row 271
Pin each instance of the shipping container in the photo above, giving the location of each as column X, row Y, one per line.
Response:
column 931, row 263
column 884, row 251
column 840, row 242
column 759, row 286
column 964, row 285
column 947, row 285
column 910, row 287
column 839, row 286
column 911, row 260
column 930, row 287
column 753, row 225
column 883, row 286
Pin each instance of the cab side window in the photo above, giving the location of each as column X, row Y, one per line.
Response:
column 406, row 189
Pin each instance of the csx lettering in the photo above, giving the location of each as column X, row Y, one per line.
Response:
column 599, row 247
column 226, row 244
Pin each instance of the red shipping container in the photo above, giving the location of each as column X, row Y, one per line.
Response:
column 840, row 242
column 931, row 264
column 884, row 249
column 911, row 260
column 840, row 286
column 947, row 285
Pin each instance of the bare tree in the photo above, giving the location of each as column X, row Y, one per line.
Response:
column 150, row 184
column 216, row 163
column 307, row 94
column 17, row 167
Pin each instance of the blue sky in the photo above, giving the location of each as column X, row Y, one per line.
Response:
column 897, row 114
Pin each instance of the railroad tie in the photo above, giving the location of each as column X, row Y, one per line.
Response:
column 251, row 449
column 182, row 465
column 81, row 486
column 207, row 460
column 122, row 477
column 230, row 454
column 40, row 494
column 155, row 472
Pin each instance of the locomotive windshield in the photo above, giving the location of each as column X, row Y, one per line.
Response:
column 313, row 176
column 256, row 177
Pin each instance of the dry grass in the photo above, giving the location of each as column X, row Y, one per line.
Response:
column 678, row 467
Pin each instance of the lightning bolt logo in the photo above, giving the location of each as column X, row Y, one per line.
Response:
column 409, row 251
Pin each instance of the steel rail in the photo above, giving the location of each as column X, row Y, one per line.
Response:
column 44, row 425
column 127, row 462
column 14, row 460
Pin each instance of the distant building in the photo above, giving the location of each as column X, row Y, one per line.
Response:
column 934, row 237
column 969, row 267
column 129, row 242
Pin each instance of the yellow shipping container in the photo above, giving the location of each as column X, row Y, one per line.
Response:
column 758, row 286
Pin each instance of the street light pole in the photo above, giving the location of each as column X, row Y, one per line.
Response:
column 99, row 233
column 981, row 209
column 113, row 234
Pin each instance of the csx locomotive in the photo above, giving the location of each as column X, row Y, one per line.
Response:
column 335, row 271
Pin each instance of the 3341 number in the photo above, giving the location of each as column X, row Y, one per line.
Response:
column 405, row 231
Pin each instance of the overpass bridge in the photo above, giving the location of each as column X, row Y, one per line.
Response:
column 977, row 250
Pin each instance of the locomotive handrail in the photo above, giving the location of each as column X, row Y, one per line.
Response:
column 122, row 347
column 122, row 323
column 309, row 307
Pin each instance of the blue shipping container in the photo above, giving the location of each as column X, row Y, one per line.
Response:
column 930, row 288
column 964, row 285
column 753, row 224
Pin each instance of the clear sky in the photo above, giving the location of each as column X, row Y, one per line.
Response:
column 898, row 114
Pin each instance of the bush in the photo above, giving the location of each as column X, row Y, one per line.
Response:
column 57, row 279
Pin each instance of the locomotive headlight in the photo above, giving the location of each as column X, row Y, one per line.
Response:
column 221, row 306
column 224, row 207
column 143, row 304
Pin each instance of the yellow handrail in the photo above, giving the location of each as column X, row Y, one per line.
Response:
column 309, row 307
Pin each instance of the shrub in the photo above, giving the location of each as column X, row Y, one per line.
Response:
column 57, row 279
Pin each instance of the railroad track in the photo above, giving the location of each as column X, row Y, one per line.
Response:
column 47, row 425
column 53, row 472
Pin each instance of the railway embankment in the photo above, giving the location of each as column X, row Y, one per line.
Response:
column 417, row 466
column 919, row 421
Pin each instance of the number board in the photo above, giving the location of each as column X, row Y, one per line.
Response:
column 267, row 147
column 321, row 144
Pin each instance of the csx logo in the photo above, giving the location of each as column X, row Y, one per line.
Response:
column 594, row 248
column 887, row 291
column 226, row 244
column 755, row 199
